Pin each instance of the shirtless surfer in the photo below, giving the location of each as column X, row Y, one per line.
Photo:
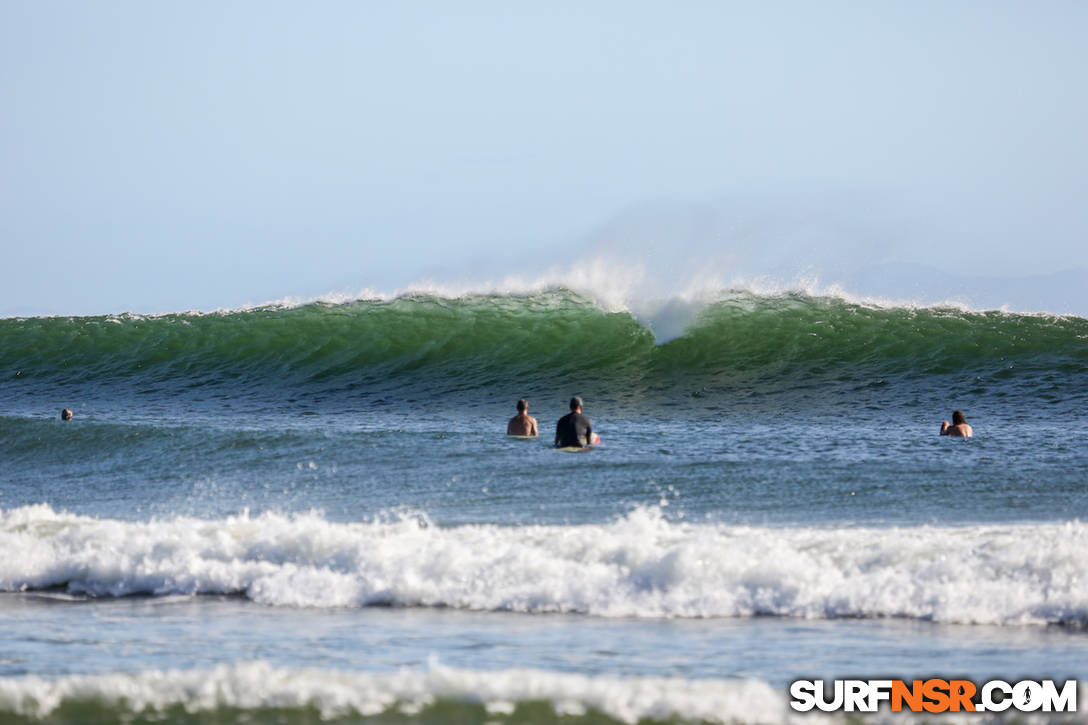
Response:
column 959, row 427
column 522, row 424
column 574, row 430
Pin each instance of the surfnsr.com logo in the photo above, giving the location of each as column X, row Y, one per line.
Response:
column 933, row 695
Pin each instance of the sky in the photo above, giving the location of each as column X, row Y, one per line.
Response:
column 202, row 155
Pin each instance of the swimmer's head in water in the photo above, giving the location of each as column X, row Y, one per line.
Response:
column 957, row 418
column 66, row 414
column 523, row 405
column 575, row 403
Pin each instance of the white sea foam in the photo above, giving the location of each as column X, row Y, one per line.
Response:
column 337, row 693
column 640, row 565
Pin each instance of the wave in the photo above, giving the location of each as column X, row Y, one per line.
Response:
column 436, row 694
column 640, row 565
column 419, row 347
column 259, row 692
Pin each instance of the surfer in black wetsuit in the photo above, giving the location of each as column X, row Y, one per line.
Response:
column 574, row 430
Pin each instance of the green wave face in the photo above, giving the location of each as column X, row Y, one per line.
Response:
column 802, row 333
column 430, row 348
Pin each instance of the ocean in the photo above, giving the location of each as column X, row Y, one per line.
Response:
column 307, row 513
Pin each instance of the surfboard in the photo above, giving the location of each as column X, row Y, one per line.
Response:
column 581, row 449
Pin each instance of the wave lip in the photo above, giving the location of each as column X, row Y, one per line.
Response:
column 641, row 565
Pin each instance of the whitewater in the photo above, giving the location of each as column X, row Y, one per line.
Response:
column 308, row 511
column 639, row 566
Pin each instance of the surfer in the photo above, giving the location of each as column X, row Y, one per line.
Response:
column 66, row 414
column 522, row 424
column 574, row 430
column 959, row 427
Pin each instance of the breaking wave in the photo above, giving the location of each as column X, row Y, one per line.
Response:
column 640, row 565
column 425, row 347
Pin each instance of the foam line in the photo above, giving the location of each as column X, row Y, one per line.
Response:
column 254, row 685
column 272, row 690
column 640, row 565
